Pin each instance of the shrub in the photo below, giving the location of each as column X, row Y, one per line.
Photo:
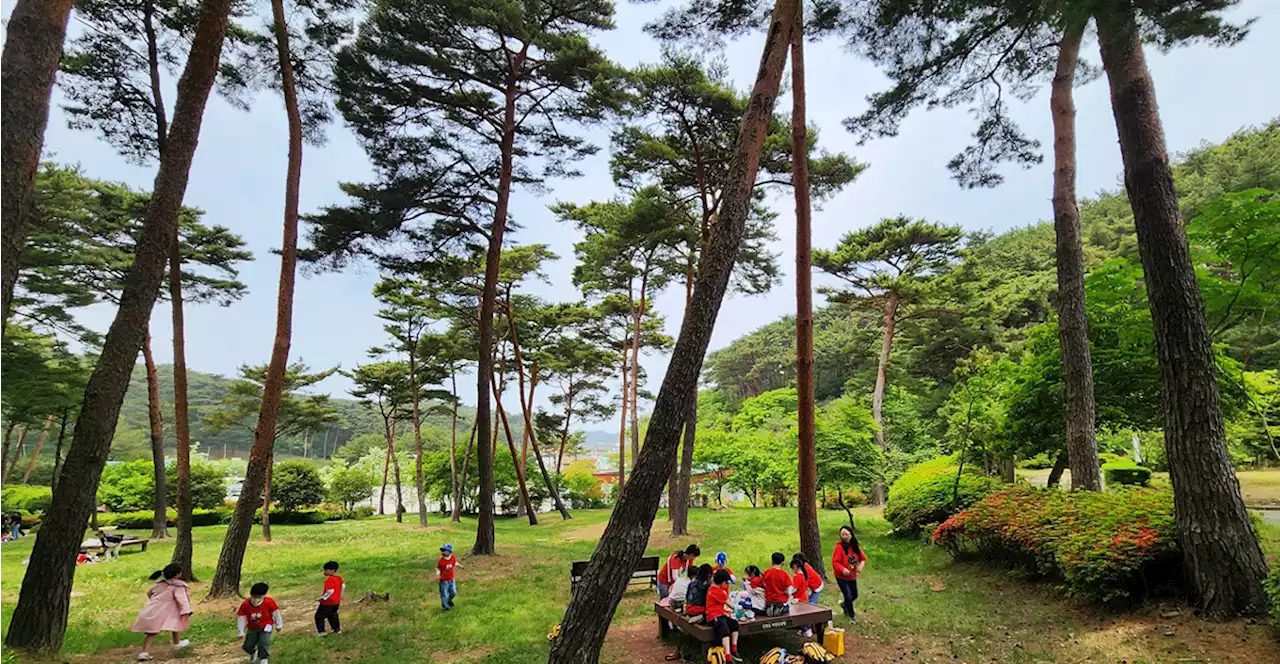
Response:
column 927, row 494
column 296, row 484
column 208, row 489
column 295, row 517
column 127, row 487
column 214, row 517
column 1272, row 584
column 350, row 485
column 343, row 515
column 1126, row 472
column 852, row 498
column 1107, row 546
column 137, row 520
column 25, row 498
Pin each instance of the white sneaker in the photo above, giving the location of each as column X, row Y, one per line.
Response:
column 183, row 644
column 322, row 634
column 253, row 659
column 144, row 657
column 262, row 661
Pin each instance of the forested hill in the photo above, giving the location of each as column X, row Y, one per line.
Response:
column 997, row 294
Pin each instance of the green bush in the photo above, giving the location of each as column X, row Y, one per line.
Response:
column 138, row 520
column 927, row 494
column 25, row 498
column 208, row 489
column 214, row 517
column 1272, row 584
column 1126, row 472
column 1107, row 546
column 343, row 515
column 349, row 485
column 131, row 487
column 296, row 484
column 295, row 518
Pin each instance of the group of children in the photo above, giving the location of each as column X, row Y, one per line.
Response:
column 168, row 608
column 704, row 592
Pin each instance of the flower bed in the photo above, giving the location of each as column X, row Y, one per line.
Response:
column 1108, row 546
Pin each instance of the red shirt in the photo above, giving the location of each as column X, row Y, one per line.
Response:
column 717, row 597
column 333, row 583
column 257, row 617
column 812, row 582
column 776, row 583
column 445, row 567
column 756, row 582
column 726, row 569
column 674, row 565
column 800, row 584
column 846, row 564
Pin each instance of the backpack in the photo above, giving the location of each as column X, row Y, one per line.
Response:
column 555, row 633
column 774, row 656
column 816, row 654
column 717, row 655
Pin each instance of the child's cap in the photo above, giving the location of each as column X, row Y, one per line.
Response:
column 447, row 547
column 721, row 558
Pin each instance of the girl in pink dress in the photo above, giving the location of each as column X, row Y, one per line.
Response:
column 168, row 609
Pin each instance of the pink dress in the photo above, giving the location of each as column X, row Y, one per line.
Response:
column 168, row 609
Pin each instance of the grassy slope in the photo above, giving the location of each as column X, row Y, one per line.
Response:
column 917, row 605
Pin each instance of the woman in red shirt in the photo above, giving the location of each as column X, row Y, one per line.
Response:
column 674, row 568
column 848, row 560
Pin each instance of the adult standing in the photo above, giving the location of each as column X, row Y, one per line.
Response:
column 848, row 560
column 674, row 568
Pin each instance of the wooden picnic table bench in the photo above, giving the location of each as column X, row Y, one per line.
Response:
column 802, row 614
column 140, row 542
column 646, row 571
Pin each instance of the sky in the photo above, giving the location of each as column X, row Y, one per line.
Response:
column 1205, row 94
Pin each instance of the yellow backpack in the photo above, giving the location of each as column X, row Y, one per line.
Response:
column 816, row 654
column 555, row 633
column 775, row 656
column 717, row 655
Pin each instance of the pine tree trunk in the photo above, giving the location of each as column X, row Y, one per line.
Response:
column 35, row 453
column 681, row 489
column 462, row 481
column 1073, row 326
column 484, row 545
column 417, row 436
column 57, row 450
column 4, row 454
column 39, row 621
column 183, row 548
column 159, row 520
column 526, row 405
column 395, row 465
column 266, row 498
column 32, row 51
column 564, row 430
column 455, row 516
column 515, row 459
column 17, row 452
column 1222, row 560
column 386, row 470
column 635, row 368
column 1055, row 473
column 226, row 580
column 882, row 378
column 596, row 595
column 807, row 472
column 622, row 426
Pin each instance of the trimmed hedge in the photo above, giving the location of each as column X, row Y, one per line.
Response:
column 926, row 494
column 222, row 516
column 1106, row 546
column 25, row 498
column 1126, row 472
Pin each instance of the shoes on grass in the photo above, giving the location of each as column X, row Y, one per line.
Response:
column 322, row 634
column 183, row 644
column 144, row 657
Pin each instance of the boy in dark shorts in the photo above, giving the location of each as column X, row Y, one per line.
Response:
column 720, row 614
column 330, row 600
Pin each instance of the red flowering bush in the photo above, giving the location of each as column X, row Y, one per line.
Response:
column 1109, row 546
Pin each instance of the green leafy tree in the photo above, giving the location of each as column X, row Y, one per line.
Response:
column 296, row 484
column 385, row 387
column 350, row 484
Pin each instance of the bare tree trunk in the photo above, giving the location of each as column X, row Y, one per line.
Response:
column 681, row 489
column 4, row 454
column 462, row 482
column 1055, row 473
column 417, row 437
column 564, row 431
column 266, row 499
column 515, row 459
column 1222, row 560
column 159, row 529
column 597, row 594
column 635, row 367
column 386, row 469
column 17, row 452
column 1073, row 325
column 226, row 580
column 32, row 51
column 622, row 426
column 453, row 450
column 57, row 450
column 527, row 407
column 183, row 547
column 484, row 365
column 882, row 377
column 39, row 621
column 35, row 453
column 807, row 473
column 395, row 465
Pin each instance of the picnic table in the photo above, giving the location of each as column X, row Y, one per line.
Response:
column 801, row 615
column 94, row 543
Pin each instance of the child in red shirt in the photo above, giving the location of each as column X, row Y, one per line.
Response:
column 257, row 618
column 720, row 614
column 444, row 573
column 777, row 584
column 330, row 599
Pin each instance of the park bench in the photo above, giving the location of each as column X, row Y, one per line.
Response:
column 646, row 571
column 801, row 615
column 140, row 542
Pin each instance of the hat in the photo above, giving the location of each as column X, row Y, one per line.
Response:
column 721, row 558
column 447, row 547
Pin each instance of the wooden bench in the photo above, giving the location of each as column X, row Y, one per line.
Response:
column 802, row 614
column 646, row 571
column 140, row 542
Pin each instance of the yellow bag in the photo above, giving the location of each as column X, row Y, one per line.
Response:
column 717, row 655
column 816, row 654
column 555, row 633
column 775, row 656
column 833, row 640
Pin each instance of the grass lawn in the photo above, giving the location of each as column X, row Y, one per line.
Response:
column 916, row 606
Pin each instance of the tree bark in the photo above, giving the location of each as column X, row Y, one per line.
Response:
column 484, row 545
column 453, row 451
column 564, row 430
column 622, row 427
column 35, row 453
column 1073, row 326
column 226, row 580
column 40, row 619
column 266, row 498
column 4, row 454
column 596, row 595
column 57, row 450
column 386, row 470
column 395, row 465
column 807, row 473
column 159, row 520
column 32, row 51
column 515, row 459
column 527, row 407
column 417, row 435
column 183, row 547
column 882, row 378
column 635, row 366
column 1055, row 474
column 462, row 482
column 1222, row 560
column 17, row 452
column 681, row 490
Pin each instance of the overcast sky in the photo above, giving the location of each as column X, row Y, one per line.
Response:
column 1205, row 94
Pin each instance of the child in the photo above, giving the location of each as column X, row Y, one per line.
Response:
column 848, row 560
column 168, row 609
column 257, row 618
column 720, row 614
column 695, row 602
column 754, row 586
column 330, row 599
column 721, row 560
column 674, row 568
column 680, row 589
column 777, row 584
column 444, row 573
column 806, row 584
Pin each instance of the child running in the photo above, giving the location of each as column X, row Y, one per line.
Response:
column 330, row 599
column 776, row 583
column 848, row 560
column 445, row 574
column 168, row 609
column 720, row 614
column 257, row 619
